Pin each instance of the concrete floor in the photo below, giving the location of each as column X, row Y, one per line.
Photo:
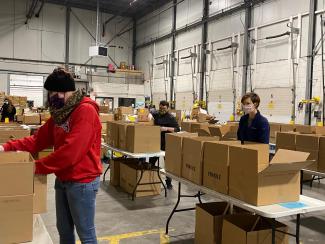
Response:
column 144, row 219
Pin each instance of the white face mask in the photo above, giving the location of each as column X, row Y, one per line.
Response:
column 248, row 108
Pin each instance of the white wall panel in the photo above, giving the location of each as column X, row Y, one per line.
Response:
column 218, row 5
column 188, row 11
column 271, row 11
column 189, row 38
column 227, row 26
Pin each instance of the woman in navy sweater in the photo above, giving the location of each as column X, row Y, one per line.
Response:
column 253, row 126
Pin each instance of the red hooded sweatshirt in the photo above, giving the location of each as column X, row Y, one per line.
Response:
column 77, row 142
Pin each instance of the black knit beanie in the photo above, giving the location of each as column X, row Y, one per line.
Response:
column 60, row 81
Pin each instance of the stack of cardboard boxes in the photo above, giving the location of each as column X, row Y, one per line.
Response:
column 310, row 143
column 25, row 196
column 121, row 112
column 241, row 171
column 104, row 118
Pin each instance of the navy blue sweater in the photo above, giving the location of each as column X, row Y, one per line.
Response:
column 258, row 131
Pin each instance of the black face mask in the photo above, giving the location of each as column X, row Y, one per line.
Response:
column 56, row 102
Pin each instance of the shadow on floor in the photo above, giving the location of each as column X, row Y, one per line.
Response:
column 313, row 223
column 139, row 203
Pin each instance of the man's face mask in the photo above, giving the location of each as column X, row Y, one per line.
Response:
column 56, row 102
column 6, row 102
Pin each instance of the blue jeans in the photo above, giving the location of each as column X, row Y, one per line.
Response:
column 75, row 207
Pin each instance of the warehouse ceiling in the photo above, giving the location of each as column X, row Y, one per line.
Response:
column 129, row 8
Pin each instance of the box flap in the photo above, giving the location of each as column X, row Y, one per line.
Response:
column 288, row 156
column 283, row 167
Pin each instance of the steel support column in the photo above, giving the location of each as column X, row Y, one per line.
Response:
column 204, row 40
column 67, row 36
column 172, row 64
column 134, row 50
column 310, row 58
column 246, row 51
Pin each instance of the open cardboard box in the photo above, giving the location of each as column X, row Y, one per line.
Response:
column 174, row 145
column 192, row 164
column 216, row 165
column 255, row 180
column 251, row 229
column 209, row 219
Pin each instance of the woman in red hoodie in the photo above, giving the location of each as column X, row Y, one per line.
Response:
column 74, row 131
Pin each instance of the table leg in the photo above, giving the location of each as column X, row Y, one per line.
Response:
column 298, row 229
column 174, row 209
column 199, row 197
column 301, row 180
column 159, row 176
column 273, row 230
column 136, row 186
column 104, row 177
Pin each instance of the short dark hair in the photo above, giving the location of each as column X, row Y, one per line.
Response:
column 253, row 96
column 164, row 103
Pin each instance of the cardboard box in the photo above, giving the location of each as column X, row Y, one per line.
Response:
column 45, row 116
column 122, row 130
column 112, row 134
column 143, row 139
column 209, row 221
column 232, row 133
column 106, row 117
column 16, row 169
column 40, row 194
column 274, row 128
column 216, row 165
column 173, row 158
column 286, row 140
column 16, row 222
column 20, row 118
column 320, row 130
column 321, row 155
column 255, row 180
column 309, row 143
column 219, row 130
column 201, row 118
column 32, row 119
column 192, row 165
column 195, row 127
column 251, row 229
column 125, row 110
column 114, row 178
column 7, row 134
column 130, row 175
column 103, row 109
column 305, row 129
